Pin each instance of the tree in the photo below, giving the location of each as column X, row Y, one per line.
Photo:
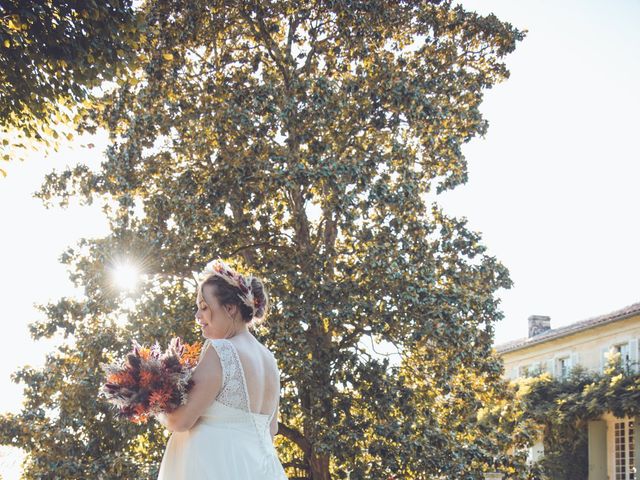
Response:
column 299, row 140
column 51, row 56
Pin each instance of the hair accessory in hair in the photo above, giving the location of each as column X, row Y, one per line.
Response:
column 221, row 269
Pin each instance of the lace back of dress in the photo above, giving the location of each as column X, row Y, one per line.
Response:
column 232, row 393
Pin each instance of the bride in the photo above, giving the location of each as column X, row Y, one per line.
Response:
column 225, row 430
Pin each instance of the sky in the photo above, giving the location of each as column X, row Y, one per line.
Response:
column 552, row 186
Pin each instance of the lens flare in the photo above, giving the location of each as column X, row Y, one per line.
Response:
column 126, row 276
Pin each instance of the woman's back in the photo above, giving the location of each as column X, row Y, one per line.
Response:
column 260, row 372
column 232, row 440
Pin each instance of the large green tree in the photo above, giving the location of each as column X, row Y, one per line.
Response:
column 52, row 54
column 300, row 140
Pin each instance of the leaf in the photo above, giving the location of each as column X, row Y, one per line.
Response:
column 167, row 56
column 68, row 68
column 14, row 25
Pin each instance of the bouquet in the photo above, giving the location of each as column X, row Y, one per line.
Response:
column 148, row 381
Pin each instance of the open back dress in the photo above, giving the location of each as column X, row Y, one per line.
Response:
column 229, row 441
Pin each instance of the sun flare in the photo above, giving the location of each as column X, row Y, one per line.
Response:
column 126, row 276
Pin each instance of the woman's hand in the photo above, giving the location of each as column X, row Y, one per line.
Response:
column 162, row 418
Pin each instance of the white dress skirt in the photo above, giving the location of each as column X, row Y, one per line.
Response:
column 228, row 442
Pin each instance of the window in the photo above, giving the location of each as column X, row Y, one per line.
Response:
column 624, row 448
column 623, row 350
column 563, row 367
column 523, row 371
column 532, row 370
column 621, row 355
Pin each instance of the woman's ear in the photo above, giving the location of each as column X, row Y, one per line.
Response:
column 231, row 309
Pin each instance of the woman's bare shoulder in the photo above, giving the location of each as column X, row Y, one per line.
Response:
column 266, row 354
column 266, row 350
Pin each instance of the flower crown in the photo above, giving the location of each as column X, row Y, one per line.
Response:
column 221, row 269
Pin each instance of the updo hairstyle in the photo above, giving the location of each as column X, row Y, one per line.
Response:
column 227, row 294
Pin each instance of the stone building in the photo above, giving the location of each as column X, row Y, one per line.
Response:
column 612, row 449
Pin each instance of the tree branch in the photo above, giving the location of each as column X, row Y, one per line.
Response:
column 314, row 42
column 293, row 26
column 272, row 48
column 296, row 437
column 257, row 245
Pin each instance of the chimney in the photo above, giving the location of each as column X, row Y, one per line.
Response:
column 538, row 324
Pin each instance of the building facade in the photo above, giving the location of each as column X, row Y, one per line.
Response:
column 588, row 343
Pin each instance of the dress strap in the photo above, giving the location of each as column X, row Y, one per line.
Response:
column 233, row 392
column 242, row 377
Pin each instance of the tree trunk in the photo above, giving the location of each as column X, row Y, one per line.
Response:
column 319, row 466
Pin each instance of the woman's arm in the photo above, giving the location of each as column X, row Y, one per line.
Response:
column 273, row 427
column 207, row 378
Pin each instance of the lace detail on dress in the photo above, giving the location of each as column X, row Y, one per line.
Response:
column 233, row 392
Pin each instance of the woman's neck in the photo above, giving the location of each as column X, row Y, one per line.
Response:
column 243, row 332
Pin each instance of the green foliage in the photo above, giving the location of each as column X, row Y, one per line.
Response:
column 562, row 407
column 298, row 140
column 51, row 55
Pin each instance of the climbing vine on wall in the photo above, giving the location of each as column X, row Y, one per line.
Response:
column 562, row 408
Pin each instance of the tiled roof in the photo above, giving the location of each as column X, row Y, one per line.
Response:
column 554, row 333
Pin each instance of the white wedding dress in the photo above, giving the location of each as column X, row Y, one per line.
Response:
column 229, row 441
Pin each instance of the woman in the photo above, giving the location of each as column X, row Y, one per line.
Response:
column 225, row 430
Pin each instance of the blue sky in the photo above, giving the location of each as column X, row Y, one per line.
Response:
column 552, row 187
